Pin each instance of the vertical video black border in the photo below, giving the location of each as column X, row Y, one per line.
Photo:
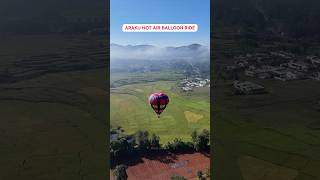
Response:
column 108, row 90
column 211, row 87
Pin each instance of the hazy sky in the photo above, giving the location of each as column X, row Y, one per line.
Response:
column 160, row 12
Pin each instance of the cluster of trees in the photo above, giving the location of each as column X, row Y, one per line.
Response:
column 179, row 146
column 125, row 145
column 200, row 142
column 200, row 175
column 142, row 141
column 145, row 142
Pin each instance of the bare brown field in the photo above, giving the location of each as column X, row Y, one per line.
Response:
column 163, row 167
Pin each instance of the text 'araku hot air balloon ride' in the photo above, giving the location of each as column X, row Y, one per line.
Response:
column 158, row 102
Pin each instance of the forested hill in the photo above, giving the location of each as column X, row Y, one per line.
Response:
column 288, row 18
column 47, row 16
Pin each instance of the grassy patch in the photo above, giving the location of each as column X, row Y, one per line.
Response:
column 192, row 117
column 253, row 169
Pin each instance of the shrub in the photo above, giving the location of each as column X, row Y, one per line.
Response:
column 120, row 172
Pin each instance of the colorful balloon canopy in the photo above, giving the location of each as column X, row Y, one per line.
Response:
column 158, row 102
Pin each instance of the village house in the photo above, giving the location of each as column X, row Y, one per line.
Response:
column 300, row 66
column 285, row 75
column 263, row 72
column 250, row 73
column 282, row 54
column 242, row 63
column 247, row 87
column 186, row 89
column 264, row 75
column 280, row 65
column 189, row 84
column 314, row 60
column 315, row 76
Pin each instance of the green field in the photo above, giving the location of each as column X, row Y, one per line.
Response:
column 53, row 123
column 276, row 134
column 185, row 112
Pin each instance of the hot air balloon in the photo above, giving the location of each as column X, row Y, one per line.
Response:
column 158, row 102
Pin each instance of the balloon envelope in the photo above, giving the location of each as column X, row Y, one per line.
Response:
column 158, row 102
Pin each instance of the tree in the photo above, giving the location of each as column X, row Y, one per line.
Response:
column 178, row 178
column 199, row 175
column 155, row 141
column 120, row 172
column 207, row 173
column 201, row 141
column 204, row 139
column 122, row 146
column 142, row 140
column 194, row 136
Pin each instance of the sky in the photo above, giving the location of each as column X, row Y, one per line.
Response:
column 160, row 12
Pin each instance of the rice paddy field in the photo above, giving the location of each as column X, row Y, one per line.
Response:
column 186, row 111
